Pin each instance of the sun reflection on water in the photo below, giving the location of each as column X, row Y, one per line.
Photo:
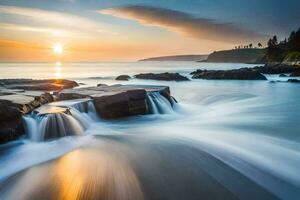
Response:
column 58, row 70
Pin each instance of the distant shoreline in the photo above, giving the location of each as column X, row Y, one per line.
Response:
column 192, row 57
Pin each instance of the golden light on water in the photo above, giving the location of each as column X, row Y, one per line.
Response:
column 58, row 70
column 79, row 175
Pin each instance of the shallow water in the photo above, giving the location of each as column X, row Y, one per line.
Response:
column 224, row 140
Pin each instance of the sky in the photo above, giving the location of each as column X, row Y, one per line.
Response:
column 127, row 30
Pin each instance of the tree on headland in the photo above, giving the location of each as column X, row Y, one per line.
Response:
column 250, row 46
column 259, row 45
column 286, row 49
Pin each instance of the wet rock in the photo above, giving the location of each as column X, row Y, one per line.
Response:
column 123, row 78
column 162, row 77
column 101, row 84
column 38, row 85
column 13, row 106
column 117, row 101
column 296, row 73
column 276, row 69
column 293, row 81
column 234, row 74
column 282, row 75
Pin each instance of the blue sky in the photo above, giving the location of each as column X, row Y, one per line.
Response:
column 197, row 26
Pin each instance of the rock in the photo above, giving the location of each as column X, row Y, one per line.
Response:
column 116, row 101
column 276, row 69
column 293, row 81
column 234, row 74
column 123, row 78
column 121, row 104
column 13, row 106
column 162, row 77
column 38, row 85
column 101, row 84
column 282, row 75
column 296, row 73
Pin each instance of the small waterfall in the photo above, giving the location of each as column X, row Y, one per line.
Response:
column 59, row 120
column 88, row 109
column 158, row 104
column 59, row 125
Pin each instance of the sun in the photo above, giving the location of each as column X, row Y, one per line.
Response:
column 57, row 48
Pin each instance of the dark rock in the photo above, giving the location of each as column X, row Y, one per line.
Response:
column 234, row 74
column 293, row 81
column 117, row 100
column 162, row 77
column 101, row 84
column 121, row 104
column 13, row 107
column 38, row 85
column 282, row 75
column 123, row 78
column 296, row 73
column 276, row 69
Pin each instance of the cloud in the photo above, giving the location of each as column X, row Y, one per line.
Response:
column 184, row 23
column 43, row 30
column 51, row 17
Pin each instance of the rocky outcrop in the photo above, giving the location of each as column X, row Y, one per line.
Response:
column 21, row 96
column 123, row 78
column 116, row 101
column 234, row 74
column 38, row 85
column 162, row 76
column 13, row 106
column 276, row 69
column 295, row 73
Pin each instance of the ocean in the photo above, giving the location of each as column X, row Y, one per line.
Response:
column 224, row 139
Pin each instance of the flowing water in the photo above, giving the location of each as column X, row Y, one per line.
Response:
column 222, row 140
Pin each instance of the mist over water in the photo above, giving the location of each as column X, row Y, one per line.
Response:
column 223, row 140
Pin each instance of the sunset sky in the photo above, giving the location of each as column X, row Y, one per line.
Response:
column 106, row 30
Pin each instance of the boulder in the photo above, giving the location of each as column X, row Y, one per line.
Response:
column 162, row 76
column 234, row 74
column 116, row 101
column 13, row 106
column 123, row 78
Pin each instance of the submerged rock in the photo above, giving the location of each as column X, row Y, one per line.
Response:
column 162, row 77
column 123, row 78
column 282, row 75
column 293, row 81
column 234, row 74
